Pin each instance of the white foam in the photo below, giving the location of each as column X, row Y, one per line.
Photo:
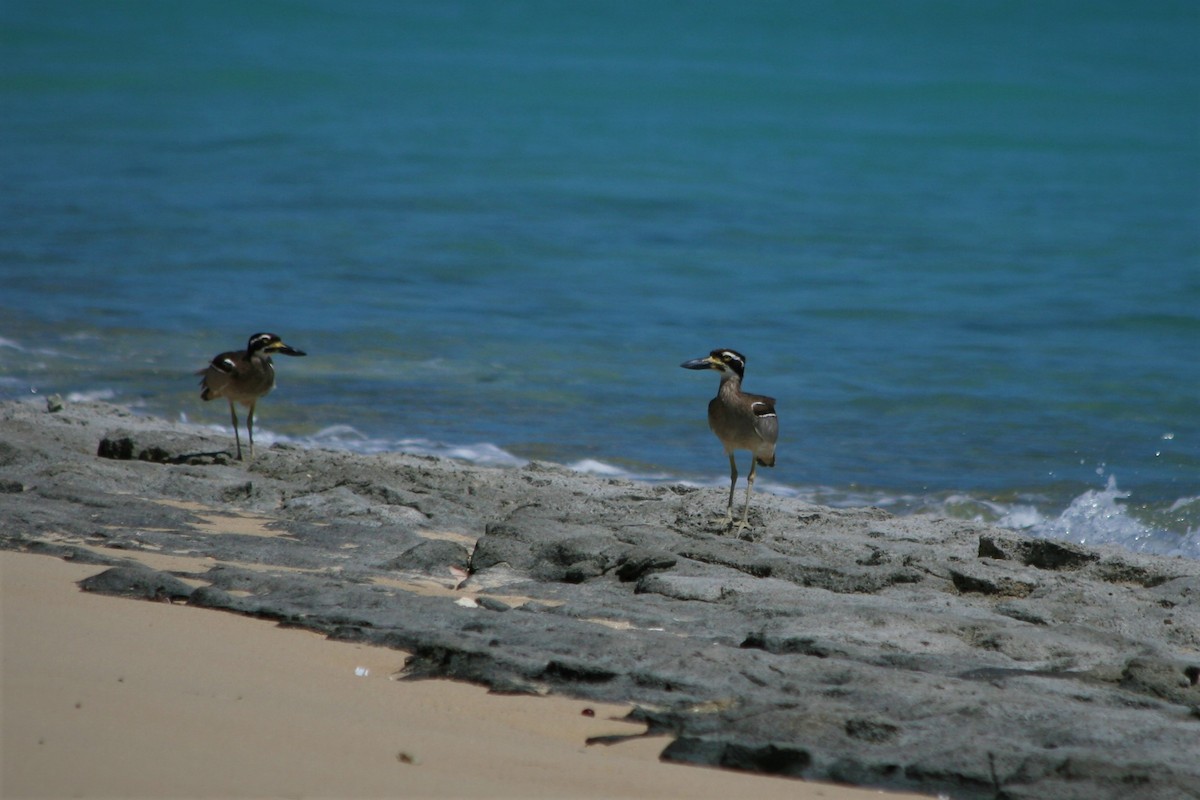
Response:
column 1182, row 502
column 590, row 466
column 603, row 469
column 340, row 434
column 480, row 453
column 1096, row 517
column 1021, row 518
column 90, row 396
column 347, row 437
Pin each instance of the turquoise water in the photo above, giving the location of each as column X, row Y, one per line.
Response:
column 959, row 243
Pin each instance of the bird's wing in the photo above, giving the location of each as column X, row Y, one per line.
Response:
column 220, row 371
column 766, row 421
column 226, row 363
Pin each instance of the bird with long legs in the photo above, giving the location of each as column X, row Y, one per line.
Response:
column 244, row 376
column 741, row 421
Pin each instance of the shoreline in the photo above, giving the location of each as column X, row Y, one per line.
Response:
column 917, row 654
column 1105, row 508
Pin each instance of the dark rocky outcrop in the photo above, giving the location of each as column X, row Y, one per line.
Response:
column 837, row 644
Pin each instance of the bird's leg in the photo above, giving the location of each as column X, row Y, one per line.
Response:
column 250, row 428
column 732, row 483
column 236, row 437
column 745, row 523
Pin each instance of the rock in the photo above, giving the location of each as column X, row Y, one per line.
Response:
column 1040, row 553
column 213, row 597
column 137, row 582
column 683, row 587
column 433, row 557
column 991, row 580
column 492, row 604
column 913, row 653
column 633, row 564
column 872, row 730
column 160, row 447
column 770, row 759
column 1170, row 680
column 493, row 549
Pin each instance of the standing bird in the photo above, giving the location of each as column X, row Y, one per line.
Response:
column 741, row 421
column 244, row 377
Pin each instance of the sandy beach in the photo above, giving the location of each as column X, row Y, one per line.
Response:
column 106, row 697
column 325, row 624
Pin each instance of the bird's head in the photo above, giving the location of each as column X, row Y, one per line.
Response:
column 730, row 363
column 269, row 344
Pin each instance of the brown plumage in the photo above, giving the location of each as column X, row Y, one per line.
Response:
column 740, row 420
column 244, row 376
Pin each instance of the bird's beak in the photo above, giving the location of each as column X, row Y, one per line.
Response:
column 698, row 363
column 284, row 350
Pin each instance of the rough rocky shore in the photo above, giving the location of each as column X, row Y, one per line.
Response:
column 912, row 653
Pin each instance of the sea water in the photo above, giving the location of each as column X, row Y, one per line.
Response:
column 958, row 242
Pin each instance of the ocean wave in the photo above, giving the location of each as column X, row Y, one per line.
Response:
column 1097, row 518
column 350, row 438
column 91, row 396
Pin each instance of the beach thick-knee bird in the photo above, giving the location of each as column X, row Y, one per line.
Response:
column 244, row 377
column 742, row 421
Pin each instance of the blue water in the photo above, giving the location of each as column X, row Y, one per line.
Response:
column 958, row 242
